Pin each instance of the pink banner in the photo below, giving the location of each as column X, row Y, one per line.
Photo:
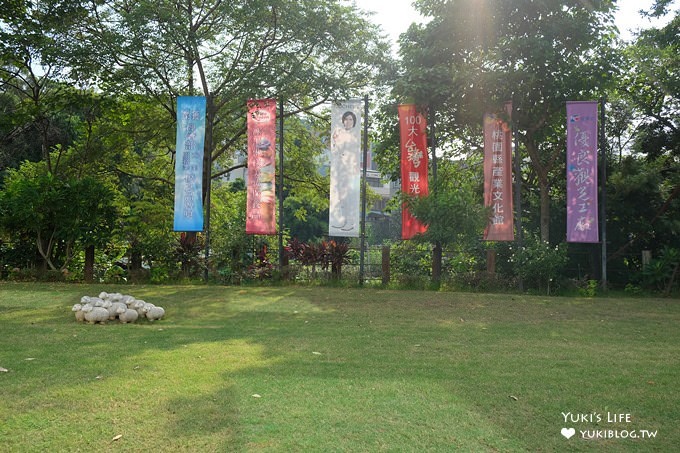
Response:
column 582, row 219
column 412, row 131
column 498, row 177
column 261, row 198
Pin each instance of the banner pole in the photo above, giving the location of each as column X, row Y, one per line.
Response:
column 603, row 191
column 518, row 184
column 281, row 186
column 363, row 195
column 208, row 170
column 433, row 141
column 437, row 246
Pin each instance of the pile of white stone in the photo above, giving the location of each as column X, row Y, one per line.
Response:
column 112, row 306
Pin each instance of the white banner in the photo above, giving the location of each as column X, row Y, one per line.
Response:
column 345, row 201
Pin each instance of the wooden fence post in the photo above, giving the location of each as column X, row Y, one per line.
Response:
column 385, row 264
column 646, row 258
column 491, row 261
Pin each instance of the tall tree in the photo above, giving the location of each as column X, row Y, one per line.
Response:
column 58, row 213
column 645, row 187
column 304, row 52
column 452, row 211
column 32, row 77
column 652, row 85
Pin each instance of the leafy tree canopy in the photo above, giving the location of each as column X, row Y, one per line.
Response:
column 304, row 52
column 474, row 55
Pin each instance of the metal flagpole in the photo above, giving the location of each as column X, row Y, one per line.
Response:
column 281, row 185
column 518, row 183
column 437, row 249
column 603, row 192
column 433, row 141
column 363, row 195
column 208, row 162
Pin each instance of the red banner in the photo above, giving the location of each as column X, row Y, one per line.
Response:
column 261, row 198
column 498, row 177
column 412, row 131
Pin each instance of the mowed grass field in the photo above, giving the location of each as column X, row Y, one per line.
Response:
column 324, row 369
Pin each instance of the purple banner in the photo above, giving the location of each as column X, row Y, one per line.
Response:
column 582, row 219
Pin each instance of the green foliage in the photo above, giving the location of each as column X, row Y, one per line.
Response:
column 453, row 210
column 471, row 57
column 309, row 222
column 652, row 86
column 305, row 53
column 644, row 201
column 462, row 262
column 159, row 274
column 644, row 188
column 115, row 274
column 411, row 263
column 633, row 289
column 480, row 281
column 475, row 55
column 589, row 289
column 306, row 138
column 538, row 263
column 661, row 273
column 307, row 177
column 57, row 213
column 230, row 247
column 37, row 106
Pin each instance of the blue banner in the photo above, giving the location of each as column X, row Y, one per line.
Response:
column 189, row 163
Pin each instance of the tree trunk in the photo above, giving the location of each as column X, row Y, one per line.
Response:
column 89, row 263
column 543, row 185
column 135, row 260
column 437, row 263
column 545, row 210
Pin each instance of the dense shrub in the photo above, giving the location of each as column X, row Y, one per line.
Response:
column 538, row 263
column 411, row 264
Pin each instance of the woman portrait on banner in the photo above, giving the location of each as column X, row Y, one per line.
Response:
column 345, row 176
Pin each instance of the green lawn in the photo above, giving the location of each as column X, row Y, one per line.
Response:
column 320, row 369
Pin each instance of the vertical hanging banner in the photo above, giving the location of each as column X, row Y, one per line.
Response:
column 345, row 198
column 189, row 163
column 261, row 198
column 498, row 177
column 582, row 218
column 412, row 132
